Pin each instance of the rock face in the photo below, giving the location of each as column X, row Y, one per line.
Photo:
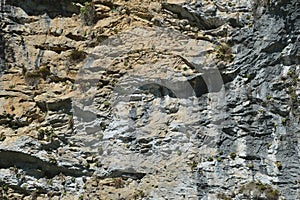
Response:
column 149, row 99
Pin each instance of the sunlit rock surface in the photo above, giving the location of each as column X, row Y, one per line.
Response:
column 149, row 99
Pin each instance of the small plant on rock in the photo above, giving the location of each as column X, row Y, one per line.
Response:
column 248, row 76
column 193, row 165
column 48, row 132
column 278, row 165
column 232, row 155
column 77, row 55
column 106, row 103
column 263, row 191
column 83, row 9
column 138, row 194
column 87, row 165
column 44, row 71
column 118, row 183
column 250, row 166
column 210, row 159
column 223, row 196
column 53, row 161
column 290, row 73
column 224, row 52
column 34, row 77
column 4, row 188
column 80, row 197
column 2, row 137
column 88, row 13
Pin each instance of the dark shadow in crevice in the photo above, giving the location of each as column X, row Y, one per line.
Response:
column 64, row 8
column 129, row 173
column 2, row 41
column 157, row 90
column 34, row 166
column 199, row 86
column 194, row 18
column 2, row 53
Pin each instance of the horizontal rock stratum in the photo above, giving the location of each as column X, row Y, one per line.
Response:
column 149, row 100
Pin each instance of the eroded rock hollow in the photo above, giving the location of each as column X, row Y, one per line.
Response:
column 168, row 99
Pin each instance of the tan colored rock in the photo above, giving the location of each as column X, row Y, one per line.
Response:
column 176, row 1
column 171, row 141
column 101, row 8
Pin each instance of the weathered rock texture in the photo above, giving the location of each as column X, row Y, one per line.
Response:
column 150, row 99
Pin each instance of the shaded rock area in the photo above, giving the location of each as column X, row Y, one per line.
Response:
column 172, row 99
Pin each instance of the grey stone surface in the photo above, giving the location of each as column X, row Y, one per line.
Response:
column 150, row 100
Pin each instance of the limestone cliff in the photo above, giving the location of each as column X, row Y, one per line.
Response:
column 168, row 99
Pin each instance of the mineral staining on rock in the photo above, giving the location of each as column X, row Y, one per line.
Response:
column 149, row 100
